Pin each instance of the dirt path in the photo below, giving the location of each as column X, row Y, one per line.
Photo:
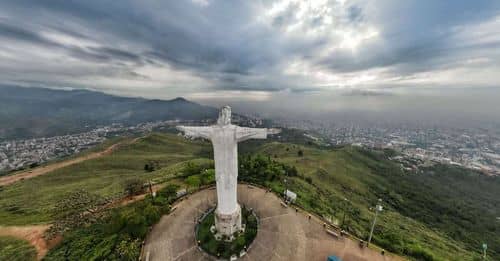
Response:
column 131, row 199
column 51, row 167
column 32, row 234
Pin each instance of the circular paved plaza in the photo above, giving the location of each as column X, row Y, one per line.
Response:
column 283, row 234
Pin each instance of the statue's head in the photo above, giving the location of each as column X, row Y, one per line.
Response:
column 224, row 116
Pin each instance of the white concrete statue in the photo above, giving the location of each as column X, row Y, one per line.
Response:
column 225, row 137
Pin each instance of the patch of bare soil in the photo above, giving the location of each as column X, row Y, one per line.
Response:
column 32, row 234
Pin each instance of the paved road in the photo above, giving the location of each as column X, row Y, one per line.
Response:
column 283, row 234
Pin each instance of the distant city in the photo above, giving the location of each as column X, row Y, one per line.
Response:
column 20, row 154
column 29, row 153
column 477, row 149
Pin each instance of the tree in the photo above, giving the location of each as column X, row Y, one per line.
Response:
column 170, row 191
column 134, row 186
column 151, row 214
column 136, row 225
column 291, row 171
column 300, row 153
column 128, row 250
column 76, row 209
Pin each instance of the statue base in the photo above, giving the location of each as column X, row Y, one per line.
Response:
column 228, row 224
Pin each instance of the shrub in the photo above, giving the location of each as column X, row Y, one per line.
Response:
column 159, row 200
column 208, row 177
column 419, row 253
column 128, row 250
column 134, row 186
column 151, row 214
column 192, row 169
column 239, row 242
column 116, row 222
column 136, row 225
column 193, row 181
column 169, row 192
column 250, row 234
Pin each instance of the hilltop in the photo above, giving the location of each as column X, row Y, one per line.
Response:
column 444, row 213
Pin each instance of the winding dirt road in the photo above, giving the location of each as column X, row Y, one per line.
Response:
column 34, row 234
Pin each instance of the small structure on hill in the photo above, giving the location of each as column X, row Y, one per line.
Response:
column 180, row 193
column 290, row 196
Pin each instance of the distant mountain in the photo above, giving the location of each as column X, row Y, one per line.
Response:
column 37, row 112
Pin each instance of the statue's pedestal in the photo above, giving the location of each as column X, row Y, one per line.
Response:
column 228, row 224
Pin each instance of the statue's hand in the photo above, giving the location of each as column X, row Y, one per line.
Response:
column 273, row 131
column 186, row 132
column 195, row 132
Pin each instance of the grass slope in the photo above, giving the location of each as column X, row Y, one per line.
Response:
column 444, row 213
column 30, row 201
column 13, row 249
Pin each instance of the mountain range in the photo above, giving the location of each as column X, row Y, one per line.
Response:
column 38, row 112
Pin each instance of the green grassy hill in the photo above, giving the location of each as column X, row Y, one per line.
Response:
column 13, row 249
column 443, row 213
column 31, row 201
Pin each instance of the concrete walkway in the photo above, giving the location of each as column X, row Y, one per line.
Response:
column 283, row 233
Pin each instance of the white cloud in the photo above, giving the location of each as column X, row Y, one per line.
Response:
column 201, row 2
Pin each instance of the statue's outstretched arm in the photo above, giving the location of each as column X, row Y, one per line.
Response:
column 243, row 133
column 273, row 131
column 203, row 132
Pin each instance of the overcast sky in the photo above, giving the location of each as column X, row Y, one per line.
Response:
column 254, row 51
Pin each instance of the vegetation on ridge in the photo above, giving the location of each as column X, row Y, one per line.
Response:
column 442, row 213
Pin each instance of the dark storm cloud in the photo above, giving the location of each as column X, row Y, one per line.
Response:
column 416, row 36
column 238, row 45
column 105, row 54
column 418, row 54
column 366, row 93
column 355, row 13
column 10, row 31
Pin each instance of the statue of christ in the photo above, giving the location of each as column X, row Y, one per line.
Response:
column 225, row 137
